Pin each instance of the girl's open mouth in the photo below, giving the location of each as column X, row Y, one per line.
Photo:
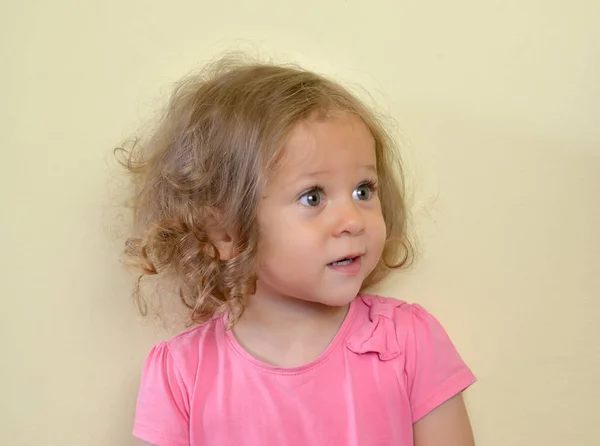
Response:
column 349, row 266
column 347, row 261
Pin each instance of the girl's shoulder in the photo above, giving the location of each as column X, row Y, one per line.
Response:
column 181, row 354
column 392, row 327
column 398, row 331
column 375, row 307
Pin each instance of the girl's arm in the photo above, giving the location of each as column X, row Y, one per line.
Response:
column 447, row 425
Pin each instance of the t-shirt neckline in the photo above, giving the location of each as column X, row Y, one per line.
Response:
column 339, row 337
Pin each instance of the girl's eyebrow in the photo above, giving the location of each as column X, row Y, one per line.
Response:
column 293, row 180
column 317, row 173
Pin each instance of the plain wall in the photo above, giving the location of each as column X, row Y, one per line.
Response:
column 498, row 107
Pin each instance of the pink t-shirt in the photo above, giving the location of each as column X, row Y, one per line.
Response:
column 389, row 365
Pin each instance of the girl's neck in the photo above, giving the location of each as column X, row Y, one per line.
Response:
column 277, row 312
column 285, row 331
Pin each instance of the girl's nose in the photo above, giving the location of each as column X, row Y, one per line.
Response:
column 349, row 220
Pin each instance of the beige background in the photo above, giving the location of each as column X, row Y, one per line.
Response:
column 498, row 104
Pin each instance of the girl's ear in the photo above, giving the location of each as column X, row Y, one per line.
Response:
column 223, row 239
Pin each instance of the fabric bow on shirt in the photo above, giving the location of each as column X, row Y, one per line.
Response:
column 378, row 335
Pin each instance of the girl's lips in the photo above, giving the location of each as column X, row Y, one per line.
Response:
column 351, row 268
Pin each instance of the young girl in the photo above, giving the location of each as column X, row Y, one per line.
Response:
column 271, row 197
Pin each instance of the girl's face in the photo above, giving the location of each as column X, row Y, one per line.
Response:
column 322, row 229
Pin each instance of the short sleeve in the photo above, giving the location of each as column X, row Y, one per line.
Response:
column 435, row 371
column 162, row 411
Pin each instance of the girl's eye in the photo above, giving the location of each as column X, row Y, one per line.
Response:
column 312, row 198
column 363, row 192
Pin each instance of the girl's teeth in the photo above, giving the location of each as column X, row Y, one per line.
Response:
column 342, row 262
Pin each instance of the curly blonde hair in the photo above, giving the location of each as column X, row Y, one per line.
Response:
column 205, row 162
